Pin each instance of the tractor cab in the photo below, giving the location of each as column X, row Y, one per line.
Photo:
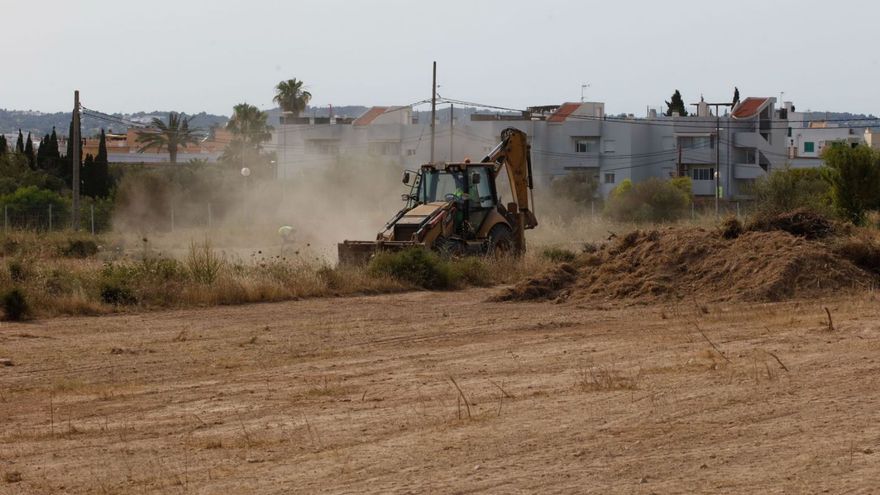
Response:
column 468, row 186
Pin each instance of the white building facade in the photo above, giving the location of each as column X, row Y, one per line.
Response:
column 565, row 138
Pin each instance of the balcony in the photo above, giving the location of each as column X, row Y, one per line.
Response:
column 703, row 187
column 750, row 140
column 747, row 171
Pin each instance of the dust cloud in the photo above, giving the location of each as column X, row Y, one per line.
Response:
column 350, row 197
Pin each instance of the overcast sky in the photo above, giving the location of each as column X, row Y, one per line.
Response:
column 190, row 55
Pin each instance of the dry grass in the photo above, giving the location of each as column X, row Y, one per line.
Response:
column 135, row 274
column 606, row 379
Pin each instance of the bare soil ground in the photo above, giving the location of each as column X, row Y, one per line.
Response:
column 361, row 395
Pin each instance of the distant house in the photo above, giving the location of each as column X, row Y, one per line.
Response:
column 123, row 148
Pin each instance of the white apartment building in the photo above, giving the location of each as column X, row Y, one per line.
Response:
column 572, row 136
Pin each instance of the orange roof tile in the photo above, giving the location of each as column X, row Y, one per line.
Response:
column 563, row 112
column 370, row 115
column 749, row 107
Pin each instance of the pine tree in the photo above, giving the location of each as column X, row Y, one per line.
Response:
column 53, row 145
column 29, row 152
column 676, row 105
column 735, row 95
column 96, row 172
column 19, row 145
column 42, row 160
column 87, row 176
column 4, row 147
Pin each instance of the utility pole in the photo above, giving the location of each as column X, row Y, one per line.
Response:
column 75, row 159
column 451, row 129
column 433, row 108
column 717, row 159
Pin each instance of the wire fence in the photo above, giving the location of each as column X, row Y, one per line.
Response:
column 46, row 218
column 171, row 216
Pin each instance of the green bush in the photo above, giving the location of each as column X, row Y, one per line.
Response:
column 854, row 174
column 415, row 265
column 790, row 189
column 15, row 305
column 116, row 284
column 653, row 200
column 203, row 263
column 25, row 201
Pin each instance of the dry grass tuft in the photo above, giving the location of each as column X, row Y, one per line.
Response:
column 606, row 379
column 12, row 477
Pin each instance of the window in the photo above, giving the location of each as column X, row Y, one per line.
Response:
column 809, row 147
column 383, row 148
column 481, row 194
column 703, row 173
column 441, row 186
column 610, row 147
column 695, row 142
column 323, row 146
column 609, row 178
column 586, row 145
column 789, row 132
column 410, row 152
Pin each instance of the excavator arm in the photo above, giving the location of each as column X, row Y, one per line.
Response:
column 513, row 153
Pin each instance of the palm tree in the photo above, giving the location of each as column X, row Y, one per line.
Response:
column 250, row 129
column 291, row 96
column 171, row 136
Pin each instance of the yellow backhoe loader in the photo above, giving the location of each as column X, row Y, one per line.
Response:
column 455, row 208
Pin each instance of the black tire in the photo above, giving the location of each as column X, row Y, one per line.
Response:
column 501, row 241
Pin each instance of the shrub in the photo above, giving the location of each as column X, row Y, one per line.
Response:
column 415, row 265
column 116, row 283
column 117, row 294
column 15, row 305
column 558, row 255
column 32, row 204
column 653, row 200
column 790, row 189
column 854, row 174
column 203, row 263
column 18, row 270
column 80, row 248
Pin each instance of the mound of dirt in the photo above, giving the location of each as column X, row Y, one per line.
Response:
column 544, row 287
column 800, row 222
column 677, row 263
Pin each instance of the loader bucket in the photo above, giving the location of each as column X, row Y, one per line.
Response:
column 360, row 252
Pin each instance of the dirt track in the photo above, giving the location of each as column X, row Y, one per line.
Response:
column 356, row 395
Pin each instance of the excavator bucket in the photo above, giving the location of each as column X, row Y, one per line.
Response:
column 355, row 253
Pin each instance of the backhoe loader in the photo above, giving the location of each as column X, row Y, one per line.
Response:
column 455, row 208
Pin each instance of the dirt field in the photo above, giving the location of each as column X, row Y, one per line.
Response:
column 357, row 395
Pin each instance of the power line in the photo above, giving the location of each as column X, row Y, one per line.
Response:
column 669, row 121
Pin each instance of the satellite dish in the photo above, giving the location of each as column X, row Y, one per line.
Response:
column 245, row 172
